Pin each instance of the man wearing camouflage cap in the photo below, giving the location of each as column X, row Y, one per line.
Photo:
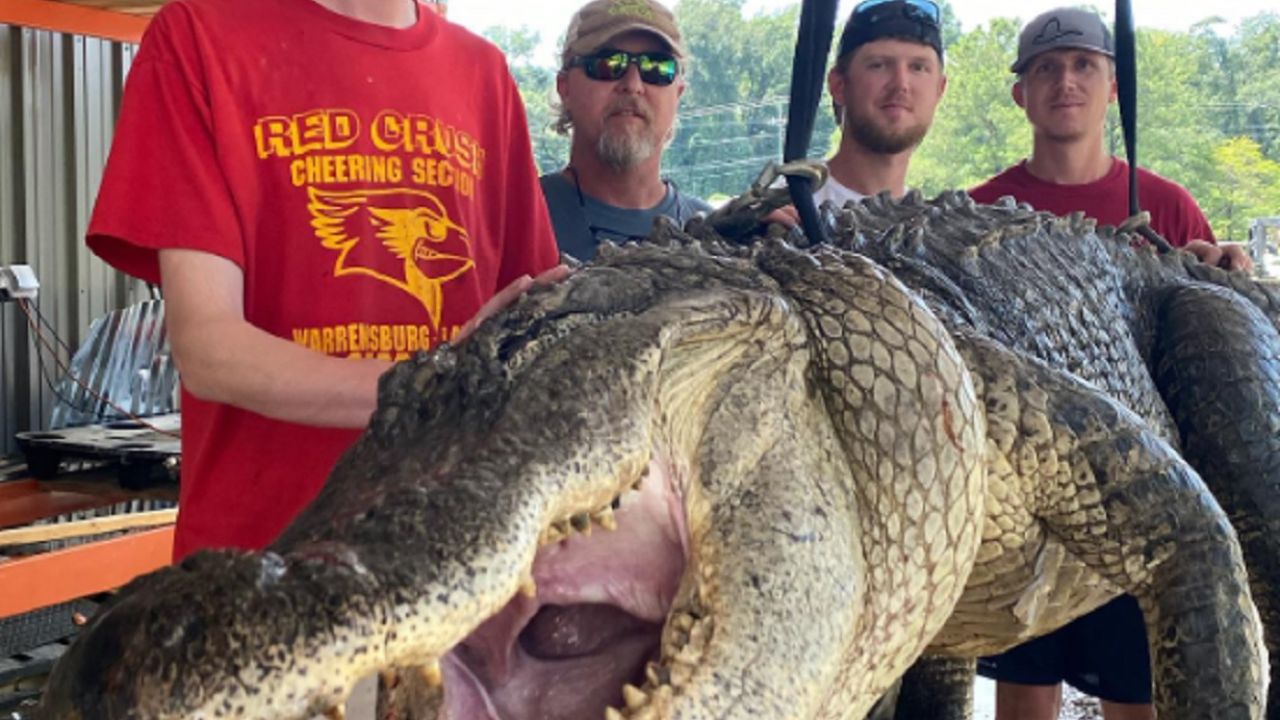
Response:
column 620, row 81
column 1065, row 81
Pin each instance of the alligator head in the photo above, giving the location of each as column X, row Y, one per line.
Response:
column 636, row 493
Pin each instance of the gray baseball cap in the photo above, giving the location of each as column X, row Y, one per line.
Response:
column 1063, row 28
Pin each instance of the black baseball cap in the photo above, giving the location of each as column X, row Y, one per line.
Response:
column 914, row 20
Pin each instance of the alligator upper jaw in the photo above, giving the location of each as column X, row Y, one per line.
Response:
column 593, row 625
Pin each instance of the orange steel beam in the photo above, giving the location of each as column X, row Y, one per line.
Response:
column 38, row 581
column 74, row 19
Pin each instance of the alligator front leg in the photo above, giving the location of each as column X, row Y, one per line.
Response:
column 897, row 394
column 791, row 614
column 1128, row 507
column 1217, row 365
column 774, row 591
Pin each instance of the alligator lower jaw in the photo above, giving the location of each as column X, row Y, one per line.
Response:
column 593, row 627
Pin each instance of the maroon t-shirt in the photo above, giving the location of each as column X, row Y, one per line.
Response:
column 1174, row 213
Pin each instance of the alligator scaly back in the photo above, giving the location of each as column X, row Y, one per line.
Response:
column 1190, row 348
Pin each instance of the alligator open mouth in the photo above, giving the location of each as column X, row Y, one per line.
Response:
column 605, row 582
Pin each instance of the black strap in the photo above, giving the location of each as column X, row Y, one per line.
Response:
column 813, row 42
column 1127, row 90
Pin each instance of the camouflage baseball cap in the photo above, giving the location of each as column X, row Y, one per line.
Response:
column 600, row 21
column 1063, row 28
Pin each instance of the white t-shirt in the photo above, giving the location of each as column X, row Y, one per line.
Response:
column 835, row 192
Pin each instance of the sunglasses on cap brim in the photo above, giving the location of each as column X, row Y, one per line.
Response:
column 656, row 68
column 921, row 11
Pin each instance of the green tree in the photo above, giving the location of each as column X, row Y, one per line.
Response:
column 1257, row 57
column 978, row 130
column 537, row 90
column 1177, row 132
column 1247, row 186
column 733, row 116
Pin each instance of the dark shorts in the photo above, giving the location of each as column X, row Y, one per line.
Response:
column 1103, row 654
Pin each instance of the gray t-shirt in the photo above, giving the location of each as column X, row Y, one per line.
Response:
column 581, row 222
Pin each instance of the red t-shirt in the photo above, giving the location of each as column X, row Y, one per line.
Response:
column 1174, row 213
column 375, row 185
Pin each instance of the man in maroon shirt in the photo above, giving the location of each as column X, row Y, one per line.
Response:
column 1066, row 79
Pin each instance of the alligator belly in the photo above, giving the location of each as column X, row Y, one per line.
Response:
column 1021, row 594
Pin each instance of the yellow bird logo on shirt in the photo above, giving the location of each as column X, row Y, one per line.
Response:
column 401, row 237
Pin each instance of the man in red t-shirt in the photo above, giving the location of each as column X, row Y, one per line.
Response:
column 321, row 188
column 1066, row 79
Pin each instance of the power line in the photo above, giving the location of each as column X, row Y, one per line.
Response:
column 735, row 106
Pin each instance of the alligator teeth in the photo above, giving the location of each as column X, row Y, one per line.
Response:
column 633, row 696
column 431, row 674
column 563, row 527
column 681, row 674
column 606, row 519
column 682, row 622
column 582, row 523
column 698, row 633
column 613, row 714
column 389, row 678
column 552, row 535
column 687, row 655
column 335, row 713
column 528, row 587
column 656, row 674
column 657, row 701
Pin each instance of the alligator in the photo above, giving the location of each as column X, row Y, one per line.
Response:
column 705, row 480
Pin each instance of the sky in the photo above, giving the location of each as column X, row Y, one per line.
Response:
column 550, row 17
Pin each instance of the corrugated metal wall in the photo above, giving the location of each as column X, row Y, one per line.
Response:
column 58, row 100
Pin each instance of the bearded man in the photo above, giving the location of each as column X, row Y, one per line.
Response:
column 620, row 81
column 886, row 84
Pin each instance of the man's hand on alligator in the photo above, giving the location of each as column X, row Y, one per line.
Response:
column 1227, row 256
column 508, row 295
